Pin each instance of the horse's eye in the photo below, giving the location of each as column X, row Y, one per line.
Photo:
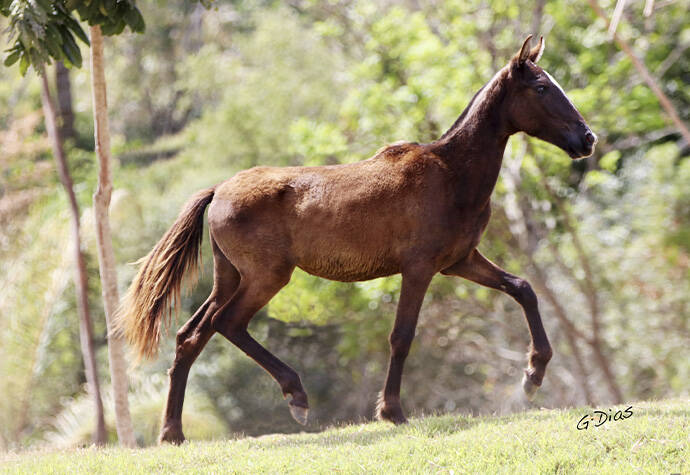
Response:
column 541, row 89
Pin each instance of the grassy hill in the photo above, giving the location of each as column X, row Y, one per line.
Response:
column 654, row 439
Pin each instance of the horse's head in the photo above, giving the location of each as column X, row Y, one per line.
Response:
column 538, row 106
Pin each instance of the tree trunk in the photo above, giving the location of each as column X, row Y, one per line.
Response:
column 64, row 101
column 80, row 277
column 106, row 256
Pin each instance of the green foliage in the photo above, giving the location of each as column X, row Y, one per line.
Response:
column 315, row 299
column 44, row 30
column 259, row 91
column 40, row 31
column 111, row 15
column 316, row 143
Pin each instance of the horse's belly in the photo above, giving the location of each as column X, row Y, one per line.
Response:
column 348, row 267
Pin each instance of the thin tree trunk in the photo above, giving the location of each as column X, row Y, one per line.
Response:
column 80, row 276
column 106, row 256
column 64, row 101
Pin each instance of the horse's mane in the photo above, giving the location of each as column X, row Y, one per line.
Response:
column 487, row 91
column 459, row 120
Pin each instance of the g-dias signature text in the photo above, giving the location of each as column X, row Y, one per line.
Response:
column 599, row 418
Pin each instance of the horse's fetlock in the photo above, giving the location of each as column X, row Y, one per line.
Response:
column 546, row 354
column 535, row 375
column 540, row 357
column 291, row 384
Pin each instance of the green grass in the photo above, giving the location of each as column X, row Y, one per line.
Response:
column 654, row 439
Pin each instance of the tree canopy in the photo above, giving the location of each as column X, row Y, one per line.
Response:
column 42, row 31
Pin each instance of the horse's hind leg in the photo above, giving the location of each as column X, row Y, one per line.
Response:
column 255, row 290
column 191, row 339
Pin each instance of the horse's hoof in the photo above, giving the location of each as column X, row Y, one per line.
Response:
column 392, row 414
column 171, row 435
column 300, row 414
column 396, row 419
column 529, row 387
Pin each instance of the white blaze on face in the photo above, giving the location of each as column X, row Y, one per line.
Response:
column 555, row 83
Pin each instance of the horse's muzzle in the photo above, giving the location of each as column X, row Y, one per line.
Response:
column 581, row 145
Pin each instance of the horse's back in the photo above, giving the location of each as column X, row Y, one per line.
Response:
column 344, row 222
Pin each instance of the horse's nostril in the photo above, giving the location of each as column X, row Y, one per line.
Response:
column 590, row 138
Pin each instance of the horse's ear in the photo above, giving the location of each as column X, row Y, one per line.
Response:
column 524, row 53
column 537, row 51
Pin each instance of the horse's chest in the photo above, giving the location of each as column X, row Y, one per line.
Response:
column 468, row 231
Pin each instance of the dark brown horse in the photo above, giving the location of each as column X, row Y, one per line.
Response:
column 413, row 209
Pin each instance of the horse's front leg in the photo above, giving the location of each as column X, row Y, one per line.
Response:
column 414, row 285
column 479, row 269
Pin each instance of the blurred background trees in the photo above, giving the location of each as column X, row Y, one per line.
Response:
column 203, row 94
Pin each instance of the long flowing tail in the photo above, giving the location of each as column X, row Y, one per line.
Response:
column 155, row 290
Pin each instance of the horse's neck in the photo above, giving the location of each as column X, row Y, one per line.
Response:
column 474, row 145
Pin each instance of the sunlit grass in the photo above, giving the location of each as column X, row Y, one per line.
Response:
column 655, row 439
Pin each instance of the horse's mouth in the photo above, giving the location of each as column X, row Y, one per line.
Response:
column 579, row 155
column 583, row 151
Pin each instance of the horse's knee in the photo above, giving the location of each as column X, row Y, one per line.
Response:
column 521, row 291
column 524, row 290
